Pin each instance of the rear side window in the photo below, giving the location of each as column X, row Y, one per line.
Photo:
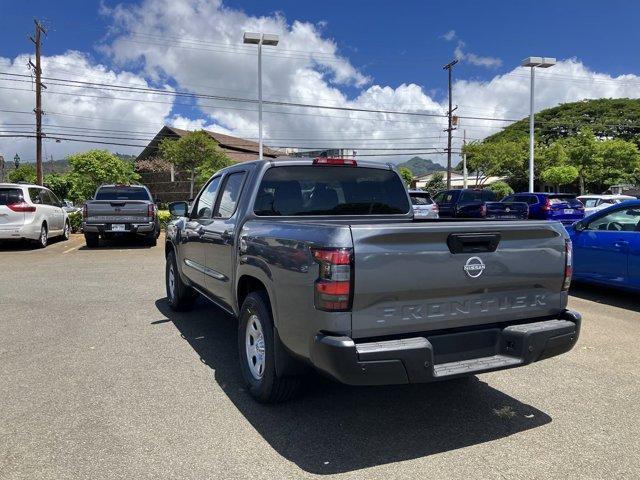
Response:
column 420, row 199
column 122, row 193
column 37, row 196
column 328, row 190
column 230, row 195
column 9, row 196
column 471, row 196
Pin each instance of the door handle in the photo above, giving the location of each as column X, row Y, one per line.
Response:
column 621, row 244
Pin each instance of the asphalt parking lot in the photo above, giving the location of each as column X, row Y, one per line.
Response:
column 99, row 379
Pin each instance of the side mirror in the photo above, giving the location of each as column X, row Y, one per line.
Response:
column 579, row 226
column 178, row 209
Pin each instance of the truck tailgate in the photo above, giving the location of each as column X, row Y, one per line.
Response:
column 407, row 278
column 124, row 211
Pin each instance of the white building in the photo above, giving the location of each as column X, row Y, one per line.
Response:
column 457, row 180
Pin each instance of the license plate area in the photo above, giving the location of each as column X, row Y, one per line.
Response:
column 118, row 227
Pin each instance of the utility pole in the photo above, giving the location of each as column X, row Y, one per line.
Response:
column 36, row 39
column 465, row 175
column 449, row 130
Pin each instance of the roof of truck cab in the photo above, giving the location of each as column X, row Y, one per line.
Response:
column 281, row 161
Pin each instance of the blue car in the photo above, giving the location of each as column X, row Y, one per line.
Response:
column 606, row 246
column 563, row 207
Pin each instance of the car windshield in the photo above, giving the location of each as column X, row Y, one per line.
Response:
column 10, row 196
column 122, row 193
column 565, row 199
column 330, row 190
column 420, row 198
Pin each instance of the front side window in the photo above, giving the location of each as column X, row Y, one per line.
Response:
column 204, row 205
column 230, row 195
column 330, row 190
column 625, row 219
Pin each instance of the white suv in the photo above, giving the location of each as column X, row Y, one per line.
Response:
column 31, row 212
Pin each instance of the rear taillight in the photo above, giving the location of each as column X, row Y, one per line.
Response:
column 85, row 212
column 435, row 208
column 22, row 207
column 151, row 211
column 568, row 264
column 547, row 205
column 333, row 287
column 335, row 161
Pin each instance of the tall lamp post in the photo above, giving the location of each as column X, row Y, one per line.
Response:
column 533, row 62
column 260, row 39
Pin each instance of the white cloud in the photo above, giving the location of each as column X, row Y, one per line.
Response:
column 79, row 115
column 473, row 59
column 196, row 46
column 449, row 36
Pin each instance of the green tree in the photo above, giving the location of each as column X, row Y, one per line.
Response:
column 196, row 153
column 582, row 153
column 59, row 184
column 620, row 160
column 407, row 176
column 500, row 189
column 95, row 167
column 560, row 175
column 24, row 173
column 435, row 184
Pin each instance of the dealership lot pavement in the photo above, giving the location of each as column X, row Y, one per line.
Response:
column 99, row 379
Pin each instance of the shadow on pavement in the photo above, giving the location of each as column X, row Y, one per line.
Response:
column 25, row 245
column 123, row 243
column 332, row 428
column 605, row 295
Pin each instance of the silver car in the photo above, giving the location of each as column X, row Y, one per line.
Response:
column 423, row 205
column 31, row 212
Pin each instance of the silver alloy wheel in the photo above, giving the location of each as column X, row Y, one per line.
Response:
column 66, row 231
column 255, row 346
column 43, row 236
column 172, row 283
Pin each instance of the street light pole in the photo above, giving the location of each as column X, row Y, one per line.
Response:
column 260, row 39
column 533, row 62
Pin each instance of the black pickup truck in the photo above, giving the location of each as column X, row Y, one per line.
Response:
column 325, row 266
column 478, row 203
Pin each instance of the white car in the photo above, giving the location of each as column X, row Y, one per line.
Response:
column 423, row 205
column 31, row 212
column 593, row 203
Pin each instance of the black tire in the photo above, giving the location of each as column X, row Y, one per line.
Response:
column 66, row 232
column 263, row 383
column 43, row 240
column 92, row 239
column 179, row 296
column 151, row 239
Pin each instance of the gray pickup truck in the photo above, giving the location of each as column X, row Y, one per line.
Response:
column 325, row 266
column 120, row 210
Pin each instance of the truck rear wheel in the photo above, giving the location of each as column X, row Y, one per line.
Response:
column 92, row 239
column 256, row 345
column 179, row 295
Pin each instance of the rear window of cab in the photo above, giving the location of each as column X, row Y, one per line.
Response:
column 306, row 190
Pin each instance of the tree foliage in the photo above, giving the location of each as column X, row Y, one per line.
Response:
column 24, row 173
column 500, row 189
column 196, row 153
column 560, row 175
column 94, row 167
column 435, row 183
column 59, row 184
column 407, row 176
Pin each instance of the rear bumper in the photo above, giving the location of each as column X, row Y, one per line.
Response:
column 438, row 357
column 30, row 231
column 101, row 228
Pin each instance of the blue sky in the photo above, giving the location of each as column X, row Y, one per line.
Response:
column 379, row 47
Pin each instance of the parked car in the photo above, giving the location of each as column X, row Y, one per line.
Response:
column 69, row 207
column 325, row 266
column 423, row 205
column 607, row 246
column 477, row 203
column 120, row 210
column 31, row 212
column 593, row 203
column 563, row 207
